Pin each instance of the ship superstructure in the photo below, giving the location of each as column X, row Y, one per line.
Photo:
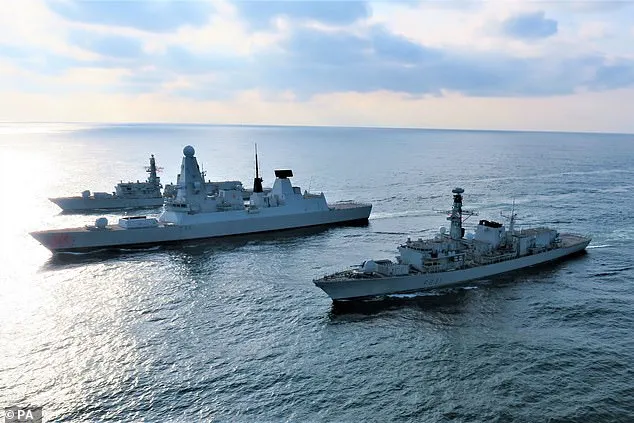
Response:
column 146, row 194
column 451, row 258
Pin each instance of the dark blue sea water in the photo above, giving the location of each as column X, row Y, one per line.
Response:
column 235, row 330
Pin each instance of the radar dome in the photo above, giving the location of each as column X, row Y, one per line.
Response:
column 369, row 266
column 101, row 223
column 189, row 151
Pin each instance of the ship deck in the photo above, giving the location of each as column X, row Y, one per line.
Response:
column 568, row 240
column 345, row 205
column 91, row 228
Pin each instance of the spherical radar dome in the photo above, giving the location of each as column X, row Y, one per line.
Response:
column 189, row 151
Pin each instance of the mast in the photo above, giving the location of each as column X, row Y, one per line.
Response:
column 456, row 230
column 511, row 218
column 509, row 233
column 257, row 181
column 153, row 179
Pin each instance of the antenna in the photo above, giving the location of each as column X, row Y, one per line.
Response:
column 512, row 223
column 466, row 214
column 257, row 171
column 511, row 217
column 153, row 165
column 257, row 181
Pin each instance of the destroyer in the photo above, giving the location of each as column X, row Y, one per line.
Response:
column 451, row 259
column 192, row 214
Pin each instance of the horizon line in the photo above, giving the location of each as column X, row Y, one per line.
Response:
column 412, row 128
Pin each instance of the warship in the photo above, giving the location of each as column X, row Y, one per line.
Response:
column 126, row 195
column 193, row 214
column 130, row 195
column 452, row 259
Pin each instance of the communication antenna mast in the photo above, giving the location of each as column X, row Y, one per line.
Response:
column 511, row 218
column 257, row 181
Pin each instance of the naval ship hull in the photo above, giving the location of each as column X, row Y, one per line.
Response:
column 240, row 222
column 85, row 204
column 360, row 288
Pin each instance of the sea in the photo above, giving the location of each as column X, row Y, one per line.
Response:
column 234, row 330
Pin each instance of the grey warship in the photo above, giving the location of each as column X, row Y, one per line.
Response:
column 193, row 214
column 126, row 195
column 452, row 259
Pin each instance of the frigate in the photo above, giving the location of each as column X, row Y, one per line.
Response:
column 451, row 258
column 126, row 195
column 193, row 214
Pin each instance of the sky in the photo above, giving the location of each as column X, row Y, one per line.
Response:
column 510, row 65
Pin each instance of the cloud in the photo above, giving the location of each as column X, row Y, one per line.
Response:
column 530, row 25
column 309, row 62
column 613, row 76
column 115, row 46
column 595, row 6
column 390, row 46
column 11, row 51
column 314, row 47
column 260, row 14
column 180, row 59
column 34, row 61
column 285, row 59
column 595, row 30
column 147, row 15
column 144, row 81
column 314, row 61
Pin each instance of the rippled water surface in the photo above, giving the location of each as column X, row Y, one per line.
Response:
column 234, row 330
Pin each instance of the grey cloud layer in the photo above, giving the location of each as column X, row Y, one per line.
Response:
column 148, row 15
column 529, row 26
column 310, row 61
